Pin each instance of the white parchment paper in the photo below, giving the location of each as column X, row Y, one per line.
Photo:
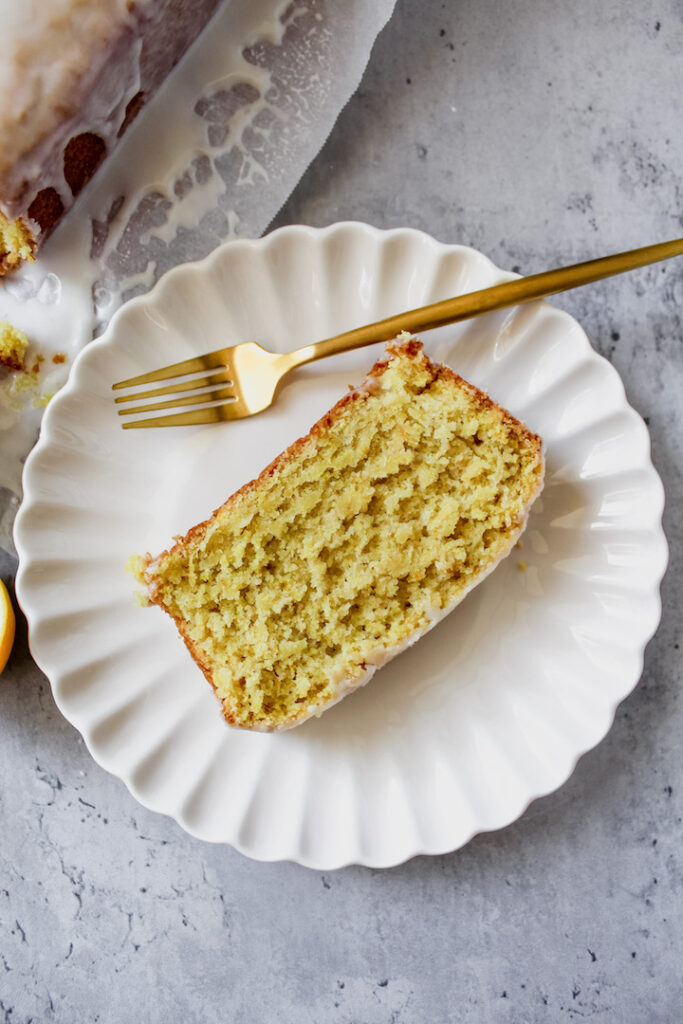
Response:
column 213, row 156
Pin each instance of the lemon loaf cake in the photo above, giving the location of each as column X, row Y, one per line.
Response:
column 353, row 543
column 73, row 75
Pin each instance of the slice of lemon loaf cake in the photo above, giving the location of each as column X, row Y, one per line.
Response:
column 352, row 543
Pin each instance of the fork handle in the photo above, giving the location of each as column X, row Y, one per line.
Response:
column 471, row 304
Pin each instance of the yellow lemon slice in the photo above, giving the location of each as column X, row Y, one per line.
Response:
column 6, row 625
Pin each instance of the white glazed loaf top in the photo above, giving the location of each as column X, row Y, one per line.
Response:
column 50, row 48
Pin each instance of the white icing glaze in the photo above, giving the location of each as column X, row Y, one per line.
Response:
column 38, row 90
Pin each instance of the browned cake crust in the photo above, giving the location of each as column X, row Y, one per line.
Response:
column 11, row 362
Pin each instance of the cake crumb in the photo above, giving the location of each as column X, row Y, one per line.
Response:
column 16, row 244
column 21, row 387
column 59, row 357
column 42, row 401
column 13, row 345
column 521, row 566
column 135, row 565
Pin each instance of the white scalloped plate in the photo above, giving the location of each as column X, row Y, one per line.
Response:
column 487, row 712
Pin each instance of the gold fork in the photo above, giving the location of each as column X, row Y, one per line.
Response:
column 251, row 375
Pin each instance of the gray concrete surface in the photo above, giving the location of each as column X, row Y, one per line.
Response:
column 538, row 132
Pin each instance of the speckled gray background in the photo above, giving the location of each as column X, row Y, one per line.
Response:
column 539, row 131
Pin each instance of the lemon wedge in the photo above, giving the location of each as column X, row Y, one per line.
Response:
column 7, row 625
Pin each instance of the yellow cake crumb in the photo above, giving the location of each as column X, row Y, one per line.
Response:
column 42, row 401
column 17, row 244
column 13, row 345
column 350, row 544
column 135, row 565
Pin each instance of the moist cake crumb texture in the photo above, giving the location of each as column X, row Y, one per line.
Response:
column 16, row 244
column 351, row 543
column 13, row 345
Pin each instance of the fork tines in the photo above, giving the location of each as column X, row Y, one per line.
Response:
column 195, row 391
